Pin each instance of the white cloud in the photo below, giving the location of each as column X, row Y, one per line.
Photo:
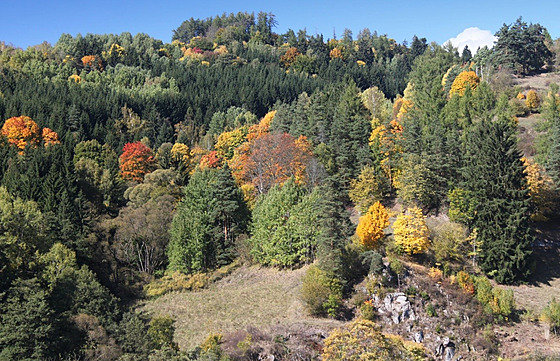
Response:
column 474, row 38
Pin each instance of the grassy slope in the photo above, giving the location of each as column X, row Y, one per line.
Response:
column 251, row 296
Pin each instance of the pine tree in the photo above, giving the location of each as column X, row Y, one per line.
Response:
column 494, row 174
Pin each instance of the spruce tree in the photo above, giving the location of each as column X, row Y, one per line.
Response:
column 494, row 174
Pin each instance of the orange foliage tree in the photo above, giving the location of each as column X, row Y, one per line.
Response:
column 21, row 131
column 371, row 225
column 136, row 161
column 49, row 137
column 270, row 159
column 93, row 62
column 289, row 57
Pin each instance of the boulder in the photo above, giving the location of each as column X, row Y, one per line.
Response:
column 397, row 307
column 419, row 337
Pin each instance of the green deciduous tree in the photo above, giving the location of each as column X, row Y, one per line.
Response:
column 286, row 226
column 208, row 220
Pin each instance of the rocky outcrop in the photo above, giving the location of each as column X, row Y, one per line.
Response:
column 395, row 306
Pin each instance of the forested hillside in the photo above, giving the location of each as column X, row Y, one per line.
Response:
column 131, row 168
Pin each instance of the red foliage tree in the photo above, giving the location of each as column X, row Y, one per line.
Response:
column 136, row 161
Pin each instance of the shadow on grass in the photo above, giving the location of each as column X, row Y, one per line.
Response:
column 546, row 254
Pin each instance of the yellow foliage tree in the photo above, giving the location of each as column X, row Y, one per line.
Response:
column 371, row 225
column 401, row 107
column 228, row 141
column 533, row 101
column 464, row 80
column 411, row 232
column 368, row 188
column 541, row 190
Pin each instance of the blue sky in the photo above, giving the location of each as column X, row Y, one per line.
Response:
column 27, row 22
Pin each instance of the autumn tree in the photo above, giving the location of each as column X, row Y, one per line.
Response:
column 136, row 161
column 371, row 225
column 92, row 62
column 532, row 101
column 411, row 232
column 273, row 158
column 462, row 81
column 541, row 190
column 21, row 131
column 289, row 57
column 371, row 186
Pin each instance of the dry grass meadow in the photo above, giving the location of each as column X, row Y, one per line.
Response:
column 249, row 297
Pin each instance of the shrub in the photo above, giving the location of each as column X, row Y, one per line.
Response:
column 483, row 290
column 464, row 280
column 503, row 303
column 161, row 332
column 551, row 315
column 178, row 281
column 431, row 310
column 362, row 340
column 533, row 101
column 435, row 273
column 321, row 292
column 497, row 301
column 367, row 310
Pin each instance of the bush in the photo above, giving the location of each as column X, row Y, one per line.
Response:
column 497, row 301
column 533, row 101
column 431, row 310
column 321, row 292
column 178, row 281
column 161, row 331
column 367, row 310
column 361, row 340
column 448, row 242
column 503, row 303
column 464, row 280
column 551, row 315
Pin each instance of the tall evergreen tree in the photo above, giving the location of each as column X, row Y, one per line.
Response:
column 494, row 174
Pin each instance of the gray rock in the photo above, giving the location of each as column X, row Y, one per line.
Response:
column 398, row 307
column 419, row 337
column 449, row 353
